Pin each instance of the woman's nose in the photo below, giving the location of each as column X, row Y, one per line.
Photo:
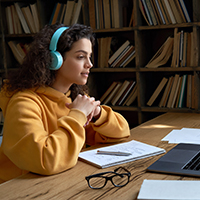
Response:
column 89, row 63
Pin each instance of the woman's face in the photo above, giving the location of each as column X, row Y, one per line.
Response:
column 76, row 66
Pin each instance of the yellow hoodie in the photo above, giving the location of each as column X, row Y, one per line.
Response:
column 43, row 136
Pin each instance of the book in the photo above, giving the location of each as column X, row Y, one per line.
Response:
column 68, row 13
column 169, row 190
column 159, row 11
column 9, row 20
column 189, row 91
column 125, row 93
column 132, row 97
column 151, row 12
column 55, row 14
column 169, row 10
column 92, row 13
column 17, row 24
column 183, row 92
column 120, row 92
column 132, row 20
column 76, row 13
column 103, row 51
column 123, row 56
column 22, row 18
column 173, row 90
column 85, row 12
column 163, row 11
column 108, row 91
column 106, row 14
column 35, row 16
column 162, row 55
column 16, row 52
column 176, row 92
column 185, row 11
column 111, row 95
column 29, row 18
column 166, row 92
column 117, row 10
column 175, row 11
column 180, row 10
column 166, row 11
column 145, row 11
column 157, row 91
column 156, row 12
column 185, row 45
column 128, row 59
column 175, row 48
column 137, row 149
column 195, row 91
column 118, row 52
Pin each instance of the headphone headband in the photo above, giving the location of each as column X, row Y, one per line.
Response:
column 55, row 38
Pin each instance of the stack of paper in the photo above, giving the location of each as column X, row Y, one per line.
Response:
column 169, row 190
column 185, row 135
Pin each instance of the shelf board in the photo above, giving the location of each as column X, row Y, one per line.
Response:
column 112, row 30
column 159, row 69
column 125, row 108
column 169, row 69
column 24, row 35
column 164, row 109
column 180, row 25
column 113, row 69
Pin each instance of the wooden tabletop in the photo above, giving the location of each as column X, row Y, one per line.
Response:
column 72, row 185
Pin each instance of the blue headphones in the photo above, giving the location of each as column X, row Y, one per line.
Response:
column 57, row 58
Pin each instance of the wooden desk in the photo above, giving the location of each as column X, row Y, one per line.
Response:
column 72, row 185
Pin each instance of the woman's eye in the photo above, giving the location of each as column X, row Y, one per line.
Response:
column 80, row 57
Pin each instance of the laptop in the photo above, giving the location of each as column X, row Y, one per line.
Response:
column 183, row 159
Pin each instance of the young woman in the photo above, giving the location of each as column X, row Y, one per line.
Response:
column 49, row 116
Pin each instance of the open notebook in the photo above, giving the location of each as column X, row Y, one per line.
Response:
column 138, row 150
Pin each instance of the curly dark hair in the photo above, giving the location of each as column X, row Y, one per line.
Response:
column 34, row 71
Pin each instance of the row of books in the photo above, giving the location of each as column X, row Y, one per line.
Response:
column 180, row 49
column 104, row 14
column 22, row 18
column 19, row 50
column 120, row 93
column 175, row 92
column 110, row 54
column 158, row 12
column 67, row 13
column 183, row 52
column 123, row 55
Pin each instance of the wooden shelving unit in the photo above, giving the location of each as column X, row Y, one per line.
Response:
column 147, row 40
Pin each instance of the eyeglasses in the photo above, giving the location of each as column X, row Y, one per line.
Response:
column 119, row 178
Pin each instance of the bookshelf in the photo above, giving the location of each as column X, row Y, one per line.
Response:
column 146, row 39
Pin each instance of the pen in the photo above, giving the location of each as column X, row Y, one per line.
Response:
column 117, row 153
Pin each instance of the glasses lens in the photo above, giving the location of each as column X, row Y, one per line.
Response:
column 120, row 180
column 97, row 182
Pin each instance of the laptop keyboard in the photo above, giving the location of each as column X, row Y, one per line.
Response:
column 194, row 163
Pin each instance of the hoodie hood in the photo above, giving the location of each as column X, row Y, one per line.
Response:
column 49, row 92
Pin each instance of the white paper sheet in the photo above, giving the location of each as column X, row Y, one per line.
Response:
column 185, row 135
column 169, row 190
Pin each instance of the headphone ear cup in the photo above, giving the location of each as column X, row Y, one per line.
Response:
column 57, row 60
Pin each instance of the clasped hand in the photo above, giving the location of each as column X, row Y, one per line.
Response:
column 87, row 105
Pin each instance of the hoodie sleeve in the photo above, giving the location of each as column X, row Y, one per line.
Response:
column 110, row 127
column 28, row 144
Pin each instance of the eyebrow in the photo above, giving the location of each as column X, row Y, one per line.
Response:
column 85, row 52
